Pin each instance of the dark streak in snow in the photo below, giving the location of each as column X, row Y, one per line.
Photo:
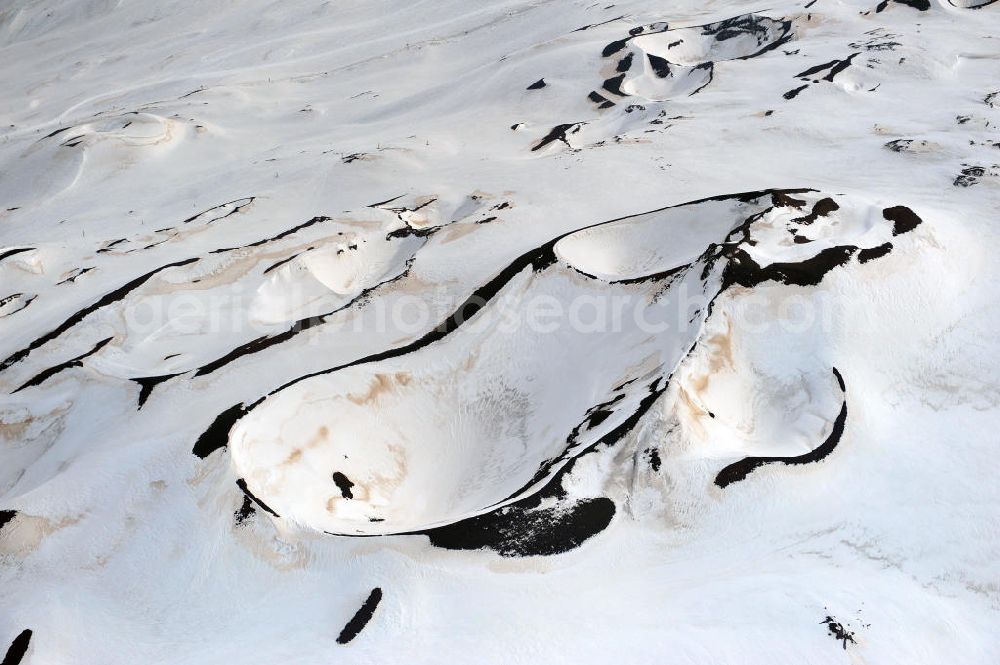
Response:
column 835, row 67
column 866, row 255
column 361, row 617
column 43, row 376
column 103, row 301
column 793, row 93
column 148, row 383
column 12, row 252
column 18, row 648
column 283, row 234
column 559, row 133
column 217, row 434
column 242, row 484
column 741, row 469
column 240, row 204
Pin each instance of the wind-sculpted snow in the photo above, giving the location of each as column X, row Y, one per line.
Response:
column 660, row 62
column 511, row 332
column 657, row 63
column 355, row 449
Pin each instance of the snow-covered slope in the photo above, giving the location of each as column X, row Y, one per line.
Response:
column 499, row 332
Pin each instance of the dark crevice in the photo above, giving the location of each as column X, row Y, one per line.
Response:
column 785, row 201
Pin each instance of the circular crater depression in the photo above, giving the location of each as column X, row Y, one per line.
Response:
column 443, row 433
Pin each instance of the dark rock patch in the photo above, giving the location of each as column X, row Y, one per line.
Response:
column 361, row 617
column 18, row 648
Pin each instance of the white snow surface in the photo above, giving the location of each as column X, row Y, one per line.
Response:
column 351, row 226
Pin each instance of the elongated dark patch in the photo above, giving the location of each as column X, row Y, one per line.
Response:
column 866, row 255
column 240, row 204
column 217, row 434
column 523, row 529
column 19, row 647
column 14, row 252
column 242, row 484
column 594, row 25
column 284, row 234
column 835, row 66
column 45, row 375
column 103, row 301
column 740, row 470
column 361, row 617
column 793, row 93
column 558, row 133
